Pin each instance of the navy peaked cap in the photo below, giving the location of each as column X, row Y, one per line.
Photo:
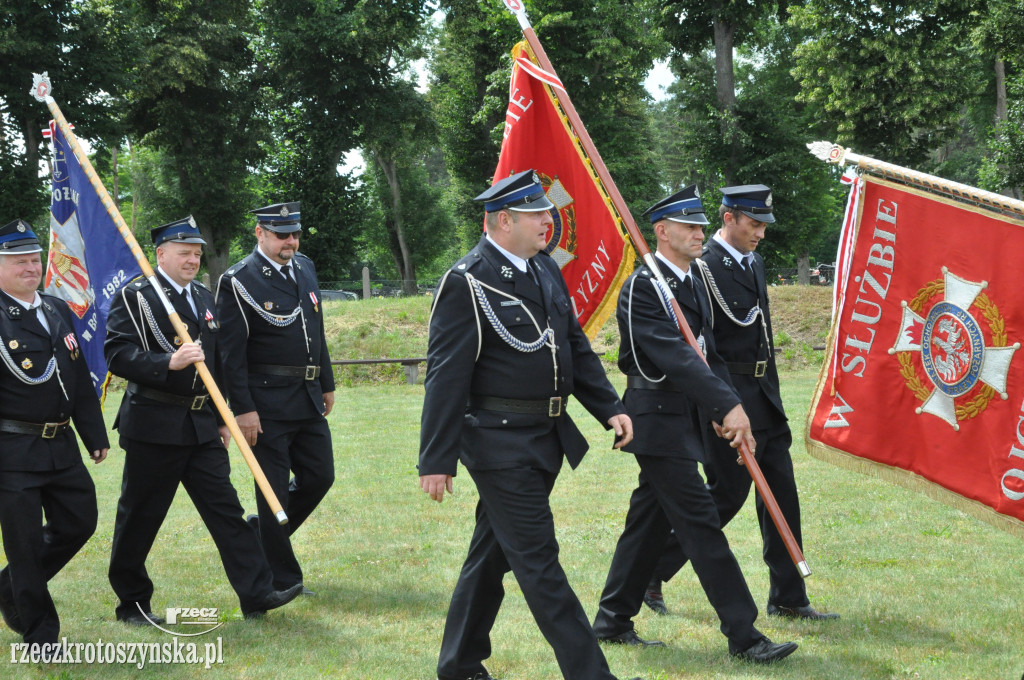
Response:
column 521, row 192
column 753, row 200
column 180, row 231
column 683, row 206
column 281, row 217
column 17, row 238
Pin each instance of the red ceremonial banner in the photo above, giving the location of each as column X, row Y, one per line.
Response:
column 924, row 381
column 585, row 240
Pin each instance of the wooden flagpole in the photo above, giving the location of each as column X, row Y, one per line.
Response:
column 594, row 159
column 838, row 155
column 41, row 91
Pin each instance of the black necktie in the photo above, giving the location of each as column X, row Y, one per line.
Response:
column 188, row 301
column 532, row 272
column 286, row 271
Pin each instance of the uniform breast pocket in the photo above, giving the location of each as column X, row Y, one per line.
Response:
column 562, row 305
column 517, row 320
column 28, row 355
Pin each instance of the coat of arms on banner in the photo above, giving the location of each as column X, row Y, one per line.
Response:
column 948, row 343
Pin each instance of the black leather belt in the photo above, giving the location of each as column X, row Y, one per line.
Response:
column 304, row 372
column 755, row 369
column 44, row 430
column 194, row 403
column 638, row 382
column 552, row 407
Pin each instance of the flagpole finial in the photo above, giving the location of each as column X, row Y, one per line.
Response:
column 40, row 86
column 518, row 7
column 828, row 152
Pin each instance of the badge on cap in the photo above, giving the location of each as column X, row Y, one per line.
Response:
column 768, row 201
column 21, row 227
column 27, row 363
column 284, row 211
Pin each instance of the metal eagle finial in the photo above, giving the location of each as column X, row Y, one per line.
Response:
column 828, row 152
column 40, row 86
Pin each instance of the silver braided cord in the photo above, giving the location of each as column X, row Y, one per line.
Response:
column 21, row 375
column 629, row 317
column 547, row 336
column 752, row 315
column 512, row 341
column 272, row 319
column 147, row 314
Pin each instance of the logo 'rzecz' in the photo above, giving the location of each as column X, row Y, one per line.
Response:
column 944, row 338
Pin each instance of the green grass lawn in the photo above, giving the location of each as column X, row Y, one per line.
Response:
column 924, row 590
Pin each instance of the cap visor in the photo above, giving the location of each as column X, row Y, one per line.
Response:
column 767, row 218
column 535, row 206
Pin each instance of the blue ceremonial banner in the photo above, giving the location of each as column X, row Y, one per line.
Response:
column 88, row 260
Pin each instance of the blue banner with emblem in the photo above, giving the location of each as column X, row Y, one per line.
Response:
column 88, row 261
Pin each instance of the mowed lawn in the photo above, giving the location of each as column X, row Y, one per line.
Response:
column 924, row 590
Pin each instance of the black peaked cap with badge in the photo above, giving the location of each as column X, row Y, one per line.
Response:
column 521, row 192
column 179, row 231
column 17, row 237
column 753, row 200
column 683, row 206
column 282, row 218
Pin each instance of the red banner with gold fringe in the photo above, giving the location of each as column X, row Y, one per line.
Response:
column 924, row 380
column 585, row 240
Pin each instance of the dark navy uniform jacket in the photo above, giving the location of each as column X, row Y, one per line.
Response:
column 140, row 354
column 761, row 397
column 255, row 302
column 30, row 348
column 669, row 422
column 466, row 356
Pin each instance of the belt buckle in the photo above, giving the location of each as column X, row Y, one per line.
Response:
column 49, row 430
column 554, row 407
column 198, row 402
column 311, row 372
column 759, row 369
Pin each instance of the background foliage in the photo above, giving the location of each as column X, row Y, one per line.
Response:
column 384, row 118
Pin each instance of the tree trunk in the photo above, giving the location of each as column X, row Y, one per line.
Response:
column 116, row 193
column 725, row 85
column 1000, row 90
column 406, row 269
column 1001, row 112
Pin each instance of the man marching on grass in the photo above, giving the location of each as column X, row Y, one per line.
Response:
column 671, row 395
column 504, row 353
column 44, row 384
column 279, row 379
column 734, row 277
column 171, row 433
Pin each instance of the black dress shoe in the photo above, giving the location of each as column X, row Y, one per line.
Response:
column 632, row 639
column 654, row 599
column 137, row 618
column 8, row 610
column 276, row 598
column 806, row 612
column 766, row 651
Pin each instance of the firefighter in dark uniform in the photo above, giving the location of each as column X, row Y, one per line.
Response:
column 44, row 384
column 737, row 291
column 279, row 377
column 671, row 395
column 504, row 353
column 171, row 433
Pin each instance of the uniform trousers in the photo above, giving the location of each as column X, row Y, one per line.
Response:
column 671, row 496
column 291, row 447
column 515, row 531
column 151, row 476
column 36, row 552
column 730, row 485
